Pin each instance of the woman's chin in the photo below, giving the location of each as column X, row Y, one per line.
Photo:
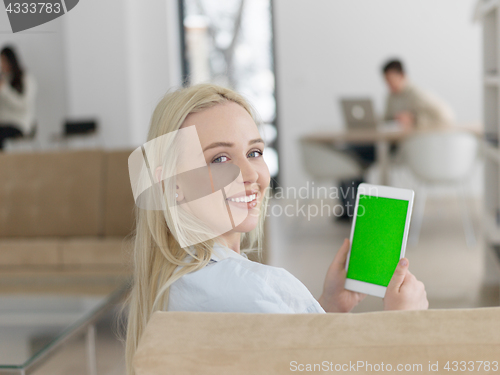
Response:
column 247, row 225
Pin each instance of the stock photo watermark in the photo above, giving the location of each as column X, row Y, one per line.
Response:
column 367, row 366
column 311, row 201
column 26, row 14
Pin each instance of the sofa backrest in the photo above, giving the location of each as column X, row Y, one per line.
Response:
column 242, row 343
column 70, row 193
column 118, row 198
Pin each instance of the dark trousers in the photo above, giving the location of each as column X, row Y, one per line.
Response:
column 8, row 131
column 349, row 188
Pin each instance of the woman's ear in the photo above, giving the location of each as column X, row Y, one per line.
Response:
column 179, row 195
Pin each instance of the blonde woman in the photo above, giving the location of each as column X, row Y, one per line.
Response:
column 212, row 273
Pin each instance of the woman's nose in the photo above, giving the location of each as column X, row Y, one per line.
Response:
column 248, row 171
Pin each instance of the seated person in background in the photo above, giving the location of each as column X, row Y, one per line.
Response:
column 410, row 106
column 17, row 91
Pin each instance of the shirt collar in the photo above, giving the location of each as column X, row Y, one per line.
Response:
column 220, row 252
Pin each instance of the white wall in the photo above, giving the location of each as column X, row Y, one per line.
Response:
column 328, row 49
column 41, row 52
column 96, row 60
column 120, row 62
column 155, row 60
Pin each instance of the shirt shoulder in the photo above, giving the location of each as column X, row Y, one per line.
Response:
column 30, row 84
column 240, row 285
column 418, row 95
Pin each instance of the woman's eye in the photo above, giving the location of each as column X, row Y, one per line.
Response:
column 220, row 159
column 255, row 154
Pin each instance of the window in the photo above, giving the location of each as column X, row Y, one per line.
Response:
column 230, row 43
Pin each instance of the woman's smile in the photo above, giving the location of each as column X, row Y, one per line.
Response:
column 247, row 200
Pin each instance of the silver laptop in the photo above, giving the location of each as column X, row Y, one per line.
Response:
column 358, row 114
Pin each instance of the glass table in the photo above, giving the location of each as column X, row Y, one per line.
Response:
column 34, row 326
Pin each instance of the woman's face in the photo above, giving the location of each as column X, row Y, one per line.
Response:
column 228, row 134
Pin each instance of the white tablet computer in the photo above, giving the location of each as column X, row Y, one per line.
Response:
column 378, row 237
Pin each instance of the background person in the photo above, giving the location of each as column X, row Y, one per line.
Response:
column 410, row 106
column 215, row 275
column 17, row 97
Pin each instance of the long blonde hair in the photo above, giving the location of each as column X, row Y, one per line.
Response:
column 157, row 254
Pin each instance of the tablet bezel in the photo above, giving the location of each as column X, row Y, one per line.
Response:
column 381, row 192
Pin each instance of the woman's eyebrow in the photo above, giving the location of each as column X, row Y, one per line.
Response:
column 229, row 144
column 257, row 140
column 218, row 144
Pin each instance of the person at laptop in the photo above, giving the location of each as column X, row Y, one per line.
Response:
column 410, row 106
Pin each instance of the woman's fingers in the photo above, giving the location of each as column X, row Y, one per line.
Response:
column 341, row 256
column 405, row 292
column 399, row 275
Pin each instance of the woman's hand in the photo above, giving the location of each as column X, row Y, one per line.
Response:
column 335, row 297
column 404, row 291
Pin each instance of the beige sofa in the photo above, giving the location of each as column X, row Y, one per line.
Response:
column 64, row 212
column 397, row 341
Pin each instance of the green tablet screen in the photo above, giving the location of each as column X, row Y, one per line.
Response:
column 377, row 239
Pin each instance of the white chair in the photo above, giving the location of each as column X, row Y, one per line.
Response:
column 325, row 163
column 441, row 158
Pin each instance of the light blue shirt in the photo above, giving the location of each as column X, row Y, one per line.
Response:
column 233, row 283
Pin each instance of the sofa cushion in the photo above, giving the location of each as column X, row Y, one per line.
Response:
column 87, row 281
column 94, row 251
column 51, row 194
column 60, row 253
column 30, row 252
column 239, row 343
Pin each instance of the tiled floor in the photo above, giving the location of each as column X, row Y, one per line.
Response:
column 451, row 271
column 72, row 359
